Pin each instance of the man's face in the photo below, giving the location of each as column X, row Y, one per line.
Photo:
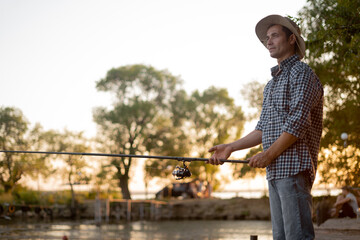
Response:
column 278, row 45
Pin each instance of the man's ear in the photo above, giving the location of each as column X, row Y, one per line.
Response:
column 292, row 39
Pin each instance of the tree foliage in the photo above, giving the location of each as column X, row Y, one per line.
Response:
column 171, row 139
column 143, row 99
column 207, row 118
column 212, row 119
column 332, row 30
column 75, row 169
column 340, row 166
column 252, row 93
column 16, row 135
column 37, row 139
column 13, row 127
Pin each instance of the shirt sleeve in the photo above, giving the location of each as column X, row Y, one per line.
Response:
column 260, row 124
column 304, row 93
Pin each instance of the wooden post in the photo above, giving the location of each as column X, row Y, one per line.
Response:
column 107, row 216
column 117, row 212
column 128, row 212
column 157, row 211
column 97, row 209
column 141, row 209
column 152, row 210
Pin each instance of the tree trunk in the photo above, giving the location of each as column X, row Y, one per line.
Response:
column 73, row 202
column 7, row 187
column 124, row 185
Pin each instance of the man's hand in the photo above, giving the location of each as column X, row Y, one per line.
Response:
column 263, row 159
column 222, row 152
column 260, row 160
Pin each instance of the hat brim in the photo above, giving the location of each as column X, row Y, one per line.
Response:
column 263, row 25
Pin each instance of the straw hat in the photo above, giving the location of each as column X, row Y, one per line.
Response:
column 264, row 24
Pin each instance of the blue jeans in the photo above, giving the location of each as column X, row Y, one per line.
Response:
column 290, row 205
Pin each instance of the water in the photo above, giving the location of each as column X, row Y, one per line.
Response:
column 142, row 230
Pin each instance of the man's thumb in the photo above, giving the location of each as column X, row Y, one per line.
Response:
column 212, row 149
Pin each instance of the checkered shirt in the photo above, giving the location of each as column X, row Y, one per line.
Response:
column 293, row 103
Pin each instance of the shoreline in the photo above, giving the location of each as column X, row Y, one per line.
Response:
column 236, row 209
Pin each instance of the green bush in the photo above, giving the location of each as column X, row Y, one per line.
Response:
column 6, row 198
column 27, row 197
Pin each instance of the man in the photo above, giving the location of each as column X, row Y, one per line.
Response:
column 346, row 205
column 289, row 129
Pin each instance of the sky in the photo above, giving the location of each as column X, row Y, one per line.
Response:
column 53, row 52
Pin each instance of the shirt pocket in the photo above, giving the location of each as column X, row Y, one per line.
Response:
column 281, row 98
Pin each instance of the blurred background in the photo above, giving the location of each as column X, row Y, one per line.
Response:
column 159, row 77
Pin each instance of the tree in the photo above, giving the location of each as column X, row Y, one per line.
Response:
column 332, row 30
column 213, row 118
column 143, row 97
column 203, row 120
column 340, row 166
column 74, row 170
column 16, row 135
column 171, row 141
column 37, row 140
column 13, row 127
column 252, row 93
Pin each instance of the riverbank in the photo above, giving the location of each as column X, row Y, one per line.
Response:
column 188, row 210
column 258, row 209
column 339, row 228
column 135, row 210
column 220, row 209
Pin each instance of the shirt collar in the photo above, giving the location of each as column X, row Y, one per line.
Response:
column 284, row 65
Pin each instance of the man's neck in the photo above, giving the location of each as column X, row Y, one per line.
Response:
column 279, row 60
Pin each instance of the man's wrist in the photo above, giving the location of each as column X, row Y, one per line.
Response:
column 231, row 147
column 269, row 155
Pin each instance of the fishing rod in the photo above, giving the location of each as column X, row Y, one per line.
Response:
column 178, row 173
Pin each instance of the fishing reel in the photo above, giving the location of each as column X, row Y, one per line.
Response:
column 181, row 172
